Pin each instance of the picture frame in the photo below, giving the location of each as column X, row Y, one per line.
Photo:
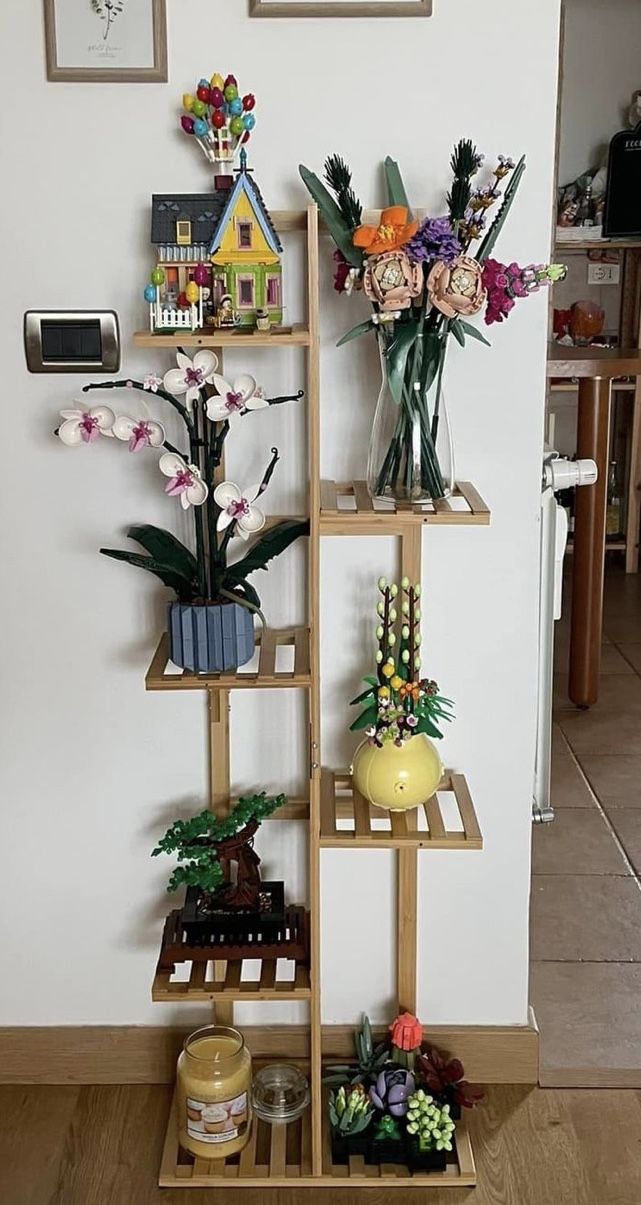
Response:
column 340, row 8
column 106, row 41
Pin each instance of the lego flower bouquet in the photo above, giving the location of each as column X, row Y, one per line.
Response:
column 211, row 622
column 425, row 280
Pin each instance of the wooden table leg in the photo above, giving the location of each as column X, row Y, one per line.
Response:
column 593, row 439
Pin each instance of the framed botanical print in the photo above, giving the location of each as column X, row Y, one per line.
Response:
column 106, row 40
column 340, row 8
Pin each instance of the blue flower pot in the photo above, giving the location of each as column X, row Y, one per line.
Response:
column 210, row 638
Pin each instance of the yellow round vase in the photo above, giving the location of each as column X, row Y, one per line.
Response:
column 397, row 777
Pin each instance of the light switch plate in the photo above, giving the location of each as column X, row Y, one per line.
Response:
column 72, row 341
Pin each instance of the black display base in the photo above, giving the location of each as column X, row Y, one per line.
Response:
column 401, row 1151
column 205, row 930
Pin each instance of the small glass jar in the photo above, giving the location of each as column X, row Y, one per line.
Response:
column 214, row 1082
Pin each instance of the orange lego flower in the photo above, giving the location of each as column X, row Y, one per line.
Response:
column 407, row 1032
column 394, row 230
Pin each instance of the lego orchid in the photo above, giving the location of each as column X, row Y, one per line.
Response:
column 236, row 506
column 190, row 375
column 84, row 426
column 139, row 432
column 219, row 512
column 236, row 398
column 185, row 481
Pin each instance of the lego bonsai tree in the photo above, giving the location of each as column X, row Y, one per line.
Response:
column 206, row 844
column 211, row 624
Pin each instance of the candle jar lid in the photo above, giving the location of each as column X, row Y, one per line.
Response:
column 280, row 1092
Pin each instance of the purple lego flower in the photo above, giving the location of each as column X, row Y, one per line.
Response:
column 392, row 1090
column 433, row 240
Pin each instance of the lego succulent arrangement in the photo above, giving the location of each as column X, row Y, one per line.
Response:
column 425, row 280
column 399, row 1100
column 398, row 703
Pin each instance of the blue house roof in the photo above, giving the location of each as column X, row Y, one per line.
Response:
column 245, row 183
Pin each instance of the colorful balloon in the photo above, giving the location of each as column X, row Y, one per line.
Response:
column 231, row 79
column 249, row 121
column 201, row 275
column 216, row 98
column 218, row 119
column 150, row 293
column 187, row 124
column 158, row 276
column 188, row 101
column 231, row 92
column 236, row 107
column 203, row 83
column 191, row 292
column 200, row 127
column 199, row 108
column 217, row 81
column 237, row 125
column 249, row 101
column 204, row 94
column 182, row 300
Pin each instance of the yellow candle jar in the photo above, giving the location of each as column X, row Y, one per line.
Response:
column 214, row 1082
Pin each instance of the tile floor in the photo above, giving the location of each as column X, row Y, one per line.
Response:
column 585, row 939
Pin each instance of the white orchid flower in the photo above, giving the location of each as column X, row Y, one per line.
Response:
column 152, row 382
column 139, row 432
column 186, row 482
column 243, row 394
column 84, row 425
column 237, row 506
column 191, row 375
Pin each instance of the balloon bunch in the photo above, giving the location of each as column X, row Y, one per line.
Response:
column 191, row 294
column 218, row 117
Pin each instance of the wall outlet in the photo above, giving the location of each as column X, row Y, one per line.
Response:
column 604, row 274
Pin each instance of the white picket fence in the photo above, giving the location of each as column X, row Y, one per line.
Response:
column 164, row 318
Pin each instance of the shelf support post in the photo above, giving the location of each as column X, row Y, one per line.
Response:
column 313, row 437
column 407, row 859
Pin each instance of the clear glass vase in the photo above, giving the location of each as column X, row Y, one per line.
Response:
column 411, row 455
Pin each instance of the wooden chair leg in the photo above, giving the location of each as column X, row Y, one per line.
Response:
column 593, row 442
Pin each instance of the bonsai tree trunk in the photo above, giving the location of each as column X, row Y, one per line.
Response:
column 245, row 892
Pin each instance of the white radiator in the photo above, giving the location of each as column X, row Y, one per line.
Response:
column 558, row 474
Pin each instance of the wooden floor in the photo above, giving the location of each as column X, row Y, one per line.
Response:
column 101, row 1146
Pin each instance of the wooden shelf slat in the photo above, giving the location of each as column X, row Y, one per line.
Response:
column 288, row 1151
column 160, row 676
column 198, row 988
column 298, row 336
column 374, row 828
column 347, row 509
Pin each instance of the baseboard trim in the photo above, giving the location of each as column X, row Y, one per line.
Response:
column 590, row 1077
column 140, row 1054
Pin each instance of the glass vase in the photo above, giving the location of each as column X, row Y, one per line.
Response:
column 411, row 455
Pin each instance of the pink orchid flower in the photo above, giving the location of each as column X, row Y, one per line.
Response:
column 237, row 507
column 185, row 481
column 234, row 398
column 139, row 432
column 85, row 425
column 191, row 375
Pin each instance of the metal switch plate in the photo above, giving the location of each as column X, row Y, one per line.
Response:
column 72, row 340
column 604, row 274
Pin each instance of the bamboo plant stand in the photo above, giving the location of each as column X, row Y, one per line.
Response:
column 335, row 814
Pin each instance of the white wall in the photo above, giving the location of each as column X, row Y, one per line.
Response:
column 601, row 70
column 92, row 768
